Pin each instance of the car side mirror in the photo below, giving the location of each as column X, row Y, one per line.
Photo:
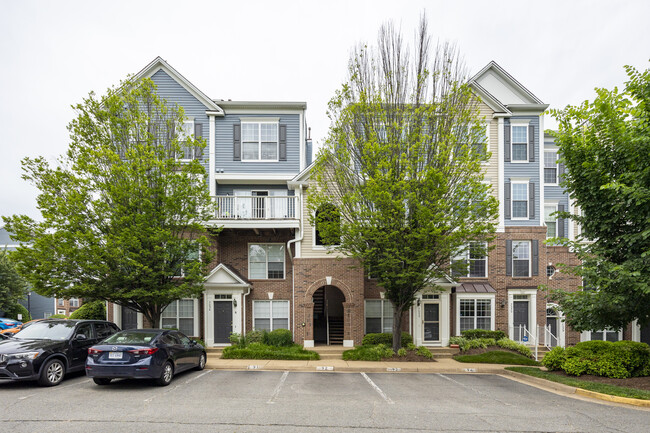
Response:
column 80, row 337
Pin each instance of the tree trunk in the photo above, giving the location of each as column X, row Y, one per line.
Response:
column 398, row 313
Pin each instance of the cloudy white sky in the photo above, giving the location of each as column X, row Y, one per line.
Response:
column 52, row 53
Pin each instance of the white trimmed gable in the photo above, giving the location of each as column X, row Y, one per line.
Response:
column 222, row 276
column 494, row 80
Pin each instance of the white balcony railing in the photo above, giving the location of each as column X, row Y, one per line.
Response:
column 248, row 207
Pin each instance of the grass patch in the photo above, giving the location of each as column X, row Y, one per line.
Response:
column 497, row 357
column 619, row 391
column 263, row 351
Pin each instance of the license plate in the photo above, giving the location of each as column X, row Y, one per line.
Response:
column 114, row 355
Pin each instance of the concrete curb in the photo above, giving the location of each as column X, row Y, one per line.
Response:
column 613, row 398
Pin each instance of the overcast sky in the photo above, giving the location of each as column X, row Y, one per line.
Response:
column 52, row 53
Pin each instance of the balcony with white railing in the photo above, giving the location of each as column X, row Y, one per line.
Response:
column 254, row 211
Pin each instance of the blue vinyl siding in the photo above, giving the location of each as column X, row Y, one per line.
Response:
column 530, row 171
column 224, row 146
column 174, row 93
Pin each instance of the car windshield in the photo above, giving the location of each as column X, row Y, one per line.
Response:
column 132, row 337
column 47, row 331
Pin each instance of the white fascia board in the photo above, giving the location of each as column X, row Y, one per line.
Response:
column 264, row 105
column 507, row 78
column 489, row 99
column 253, row 178
column 158, row 63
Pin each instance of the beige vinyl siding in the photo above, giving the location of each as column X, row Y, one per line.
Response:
column 491, row 169
column 308, row 247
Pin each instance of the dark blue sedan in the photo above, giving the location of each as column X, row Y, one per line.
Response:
column 156, row 354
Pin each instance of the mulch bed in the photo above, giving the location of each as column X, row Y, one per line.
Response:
column 631, row 382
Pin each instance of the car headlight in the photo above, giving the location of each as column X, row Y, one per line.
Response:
column 22, row 355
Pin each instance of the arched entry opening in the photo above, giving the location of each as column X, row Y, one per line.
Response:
column 328, row 315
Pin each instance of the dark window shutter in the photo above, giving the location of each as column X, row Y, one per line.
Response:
column 531, row 201
column 283, row 143
column 531, row 143
column 198, row 133
column 236, row 142
column 509, row 258
column 506, row 204
column 535, row 257
column 506, row 141
column 560, row 223
column 560, row 172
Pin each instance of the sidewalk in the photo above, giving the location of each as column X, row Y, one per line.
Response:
column 443, row 365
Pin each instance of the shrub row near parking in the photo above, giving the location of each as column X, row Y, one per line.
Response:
column 277, row 338
column 13, row 312
column 465, row 344
column 382, row 351
column 618, row 360
column 473, row 334
column 385, row 338
column 263, row 351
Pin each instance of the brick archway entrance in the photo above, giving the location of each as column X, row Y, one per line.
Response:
column 328, row 315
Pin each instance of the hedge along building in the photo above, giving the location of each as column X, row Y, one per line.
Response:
column 271, row 272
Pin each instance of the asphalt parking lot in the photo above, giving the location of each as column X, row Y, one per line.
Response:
column 263, row 401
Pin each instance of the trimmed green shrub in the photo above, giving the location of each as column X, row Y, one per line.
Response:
column 15, row 310
column 411, row 346
column 506, row 343
column 617, row 360
column 263, row 351
column 255, row 336
column 457, row 340
column 95, row 310
column 385, row 338
column 473, row 334
column 58, row 316
column 401, row 352
column 278, row 338
column 554, row 359
column 237, row 339
column 369, row 353
column 423, row 351
column 575, row 366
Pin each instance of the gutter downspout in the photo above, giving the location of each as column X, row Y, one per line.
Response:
column 293, row 271
column 243, row 326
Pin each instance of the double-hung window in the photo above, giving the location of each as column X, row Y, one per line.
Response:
column 265, row 261
column 474, row 259
column 179, row 315
column 74, row 302
column 475, row 314
column 379, row 316
column 520, row 200
column 550, row 220
column 605, row 335
column 550, row 167
column 520, row 143
column 184, row 134
column 270, row 315
column 521, row 258
column 259, row 141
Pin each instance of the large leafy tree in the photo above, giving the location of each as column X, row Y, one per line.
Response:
column 123, row 210
column 605, row 145
column 398, row 184
column 13, row 287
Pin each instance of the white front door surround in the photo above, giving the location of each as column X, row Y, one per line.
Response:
column 531, row 296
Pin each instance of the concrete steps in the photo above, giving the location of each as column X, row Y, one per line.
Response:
column 330, row 352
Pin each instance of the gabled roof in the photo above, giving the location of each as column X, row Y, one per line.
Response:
column 159, row 64
column 302, row 177
column 505, row 89
column 225, row 276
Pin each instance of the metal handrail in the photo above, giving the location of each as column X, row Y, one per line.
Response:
column 251, row 207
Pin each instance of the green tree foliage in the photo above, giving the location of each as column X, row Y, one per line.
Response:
column 605, row 145
column 13, row 287
column 122, row 215
column 16, row 309
column 402, row 166
column 95, row 310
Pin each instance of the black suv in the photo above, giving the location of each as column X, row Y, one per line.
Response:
column 48, row 349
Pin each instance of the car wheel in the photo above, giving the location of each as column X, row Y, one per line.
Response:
column 166, row 375
column 52, row 373
column 201, row 364
column 102, row 380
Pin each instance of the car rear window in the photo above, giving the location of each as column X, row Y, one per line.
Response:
column 132, row 337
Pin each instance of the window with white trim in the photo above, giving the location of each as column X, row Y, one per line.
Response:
column 379, row 316
column 550, row 220
column 259, row 141
column 519, row 200
column 61, row 302
column 184, row 134
column 521, row 258
column 74, row 302
column 475, row 314
column 270, row 315
column 519, row 143
column 550, row 167
column 60, row 312
column 474, row 259
column 265, row 261
column 179, row 315
column 605, row 335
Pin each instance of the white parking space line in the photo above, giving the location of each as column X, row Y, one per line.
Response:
column 172, row 389
column 199, row 376
column 473, row 389
column 376, row 388
column 27, row 396
column 73, row 384
column 277, row 389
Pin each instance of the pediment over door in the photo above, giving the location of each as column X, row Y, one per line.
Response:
column 225, row 276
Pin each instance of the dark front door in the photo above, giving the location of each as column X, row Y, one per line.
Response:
column 645, row 334
column 129, row 318
column 431, row 322
column 222, row 321
column 520, row 318
column 552, row 323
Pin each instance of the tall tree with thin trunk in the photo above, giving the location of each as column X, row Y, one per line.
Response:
column 123, row 211
column 399, row 184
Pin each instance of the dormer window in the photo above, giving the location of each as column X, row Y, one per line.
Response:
column 259, row 141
